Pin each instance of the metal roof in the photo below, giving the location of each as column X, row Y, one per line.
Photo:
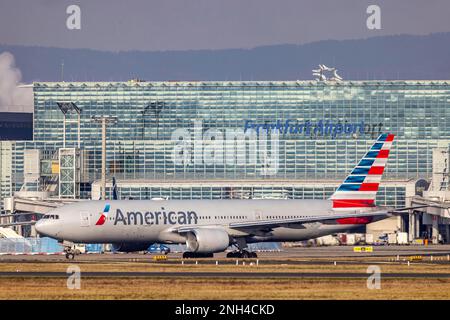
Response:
column 240, row 83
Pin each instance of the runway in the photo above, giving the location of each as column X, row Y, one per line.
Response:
column 286, row 255
column 407, row 272
column 227, row 275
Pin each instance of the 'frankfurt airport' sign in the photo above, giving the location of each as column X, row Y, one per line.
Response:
column 319, row 128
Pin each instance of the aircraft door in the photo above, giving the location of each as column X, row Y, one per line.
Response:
column 85, row 219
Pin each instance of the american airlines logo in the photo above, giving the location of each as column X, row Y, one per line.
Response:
column 155, row 218
column 103, row 215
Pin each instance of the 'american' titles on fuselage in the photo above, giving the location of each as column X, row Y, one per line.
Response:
column 156, row 217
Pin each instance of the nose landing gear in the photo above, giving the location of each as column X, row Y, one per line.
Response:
column 70, row 256
column 70, row 250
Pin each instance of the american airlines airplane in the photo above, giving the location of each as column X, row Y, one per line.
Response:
column 210, row 226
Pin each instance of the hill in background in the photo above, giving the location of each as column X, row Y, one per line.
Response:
column 386, row 57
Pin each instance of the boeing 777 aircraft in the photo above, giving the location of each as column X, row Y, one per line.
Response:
column 209, row 226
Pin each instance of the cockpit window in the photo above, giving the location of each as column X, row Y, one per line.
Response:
column 51, row 216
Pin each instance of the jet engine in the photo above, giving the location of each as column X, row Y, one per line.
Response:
column 207, row 240
column 130, row 247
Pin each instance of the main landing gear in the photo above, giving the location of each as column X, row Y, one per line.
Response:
column 188, row 255
column 241, row 244
column 244, row 254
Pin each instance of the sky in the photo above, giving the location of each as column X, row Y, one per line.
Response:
column 159, row 25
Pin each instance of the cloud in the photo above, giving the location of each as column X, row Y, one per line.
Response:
column 12, row 97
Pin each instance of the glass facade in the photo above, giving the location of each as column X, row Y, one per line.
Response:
column 316, row 131
column 387, row 196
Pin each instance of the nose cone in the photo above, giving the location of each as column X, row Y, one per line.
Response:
column 47, row 227
column 40, row 227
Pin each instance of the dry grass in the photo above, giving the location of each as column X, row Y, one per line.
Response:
column 18, row 287
column 177, row 288
column 161, row 267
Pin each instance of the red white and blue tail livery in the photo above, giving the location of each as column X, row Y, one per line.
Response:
column 360, row 188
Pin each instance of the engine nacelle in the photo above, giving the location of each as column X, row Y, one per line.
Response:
column 207, row 240
column 130, row 247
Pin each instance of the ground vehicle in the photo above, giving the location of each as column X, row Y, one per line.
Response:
column 158, row 248
column 383, row 238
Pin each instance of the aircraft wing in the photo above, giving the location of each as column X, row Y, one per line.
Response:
column 401, row 210
column 273, row 223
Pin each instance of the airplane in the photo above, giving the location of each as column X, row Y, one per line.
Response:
column 211, row 226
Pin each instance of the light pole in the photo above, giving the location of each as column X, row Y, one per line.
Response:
column 156, row 107
column 104, row 120
column 68, row 107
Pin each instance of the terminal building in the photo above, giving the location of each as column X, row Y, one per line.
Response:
column 228, row 140
column 13, row 126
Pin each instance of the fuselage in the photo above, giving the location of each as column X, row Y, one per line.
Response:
column 155, row 220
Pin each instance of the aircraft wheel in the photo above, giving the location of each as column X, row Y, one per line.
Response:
column 245, row 254
column 233, row 254
column 70, row 256
column 253, row 255
column 187, row 255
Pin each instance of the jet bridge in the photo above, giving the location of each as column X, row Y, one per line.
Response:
column 435, row 216
column 435, row 197
column 21, row 212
